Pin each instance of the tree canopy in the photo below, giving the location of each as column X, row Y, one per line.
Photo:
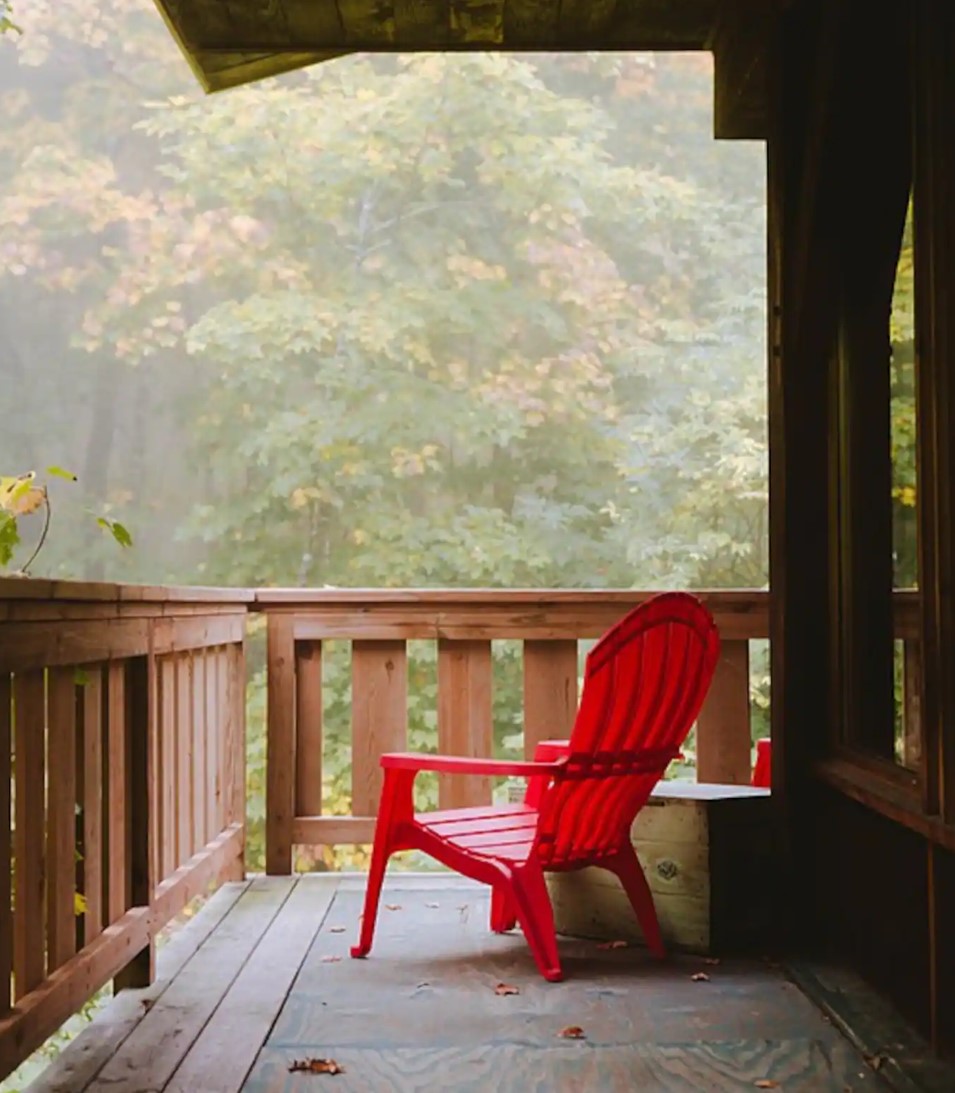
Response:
column 432, row 319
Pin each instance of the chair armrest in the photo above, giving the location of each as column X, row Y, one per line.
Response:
column 458, row 764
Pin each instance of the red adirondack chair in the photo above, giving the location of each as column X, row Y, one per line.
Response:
column 644, row 684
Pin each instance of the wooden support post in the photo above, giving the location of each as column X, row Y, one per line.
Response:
column 379, row 716
column 280, row 761
column 140, row 730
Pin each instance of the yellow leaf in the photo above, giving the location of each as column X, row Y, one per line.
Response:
column 79, row 903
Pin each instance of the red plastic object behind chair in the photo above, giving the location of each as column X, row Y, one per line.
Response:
column 644, row 684
column 762, row 771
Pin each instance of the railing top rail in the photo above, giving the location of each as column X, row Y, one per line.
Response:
column 35, row 588
column 277, row 597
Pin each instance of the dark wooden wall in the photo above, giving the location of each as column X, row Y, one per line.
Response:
column 862, row 110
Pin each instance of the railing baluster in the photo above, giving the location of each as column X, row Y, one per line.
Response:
column 29, row 744
column 6, row 846
column 550, row 691
column 92, row 794
column 464, row 717
column 116, row 781
column 61, row 816
column 184, row 835
column 723, row 735
column 379, row 715
column 308, row 748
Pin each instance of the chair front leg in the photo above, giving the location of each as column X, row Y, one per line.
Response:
column 536, row 916
column 395, row 807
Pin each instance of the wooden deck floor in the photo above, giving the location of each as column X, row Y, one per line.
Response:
column 262, row 977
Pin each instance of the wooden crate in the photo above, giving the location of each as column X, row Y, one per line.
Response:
column 707, row 854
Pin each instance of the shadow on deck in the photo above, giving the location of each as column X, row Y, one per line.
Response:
column 262, row 977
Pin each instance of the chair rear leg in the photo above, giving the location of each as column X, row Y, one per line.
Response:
column 380, row 854
column 503, row 915
column 628, row 868
column 536, row 916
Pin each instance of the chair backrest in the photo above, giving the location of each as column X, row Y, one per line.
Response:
column 644, row 684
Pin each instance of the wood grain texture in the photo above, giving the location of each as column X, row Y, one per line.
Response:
column 280, row 767
column 29, row 744
column 156, row 1047
column 465, row 725
column 185, row 845
column 723, row 735
column 166, row 775
column 93, row 804
column 550, row 691
column 61, row 816
column 308, row 750
column 379, row 715
column 225, row 1050
column 73, row 1070
column 200, row 767
column 6, row 840
column 117, row 782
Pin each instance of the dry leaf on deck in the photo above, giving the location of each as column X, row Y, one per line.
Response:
column 506, row 988
column 711, row 960
column 315, row 1066
column 877, row 1062
column 330, row 959
column 612, row 945
column 766, row 1083
column 700, row 977
column 336, row 929
column 573, row 1032
column 392, row 906
column 432, row 905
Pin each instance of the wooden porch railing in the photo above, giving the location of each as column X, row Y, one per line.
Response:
column 122, row 752
column 462, row 623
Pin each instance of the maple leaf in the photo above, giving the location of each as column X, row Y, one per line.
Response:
column 700, row 977
column 572, row 1032
column 315, row 1066
column 506, row 988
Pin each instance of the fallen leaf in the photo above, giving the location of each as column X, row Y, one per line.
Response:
column 766, row 1083
column 336, row 929
column 330, row 959
column 711, row 960
column 315, row 1066
column 612, row 945
column 700, row 977
column 432, row 905
column 392, row 906
column 422, row 985
column 877, row 1062
column 506, row 988
column 573, row 1032
column 147, row 1004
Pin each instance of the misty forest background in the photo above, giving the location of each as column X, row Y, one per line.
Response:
column 432, row 320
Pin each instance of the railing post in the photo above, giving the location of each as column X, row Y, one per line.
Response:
column 723, row 735
column 280, row 745
column 141, row 787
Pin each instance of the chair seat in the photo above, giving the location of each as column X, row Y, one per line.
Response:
column 503, row 832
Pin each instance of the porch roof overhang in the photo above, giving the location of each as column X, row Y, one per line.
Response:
column 232, row 42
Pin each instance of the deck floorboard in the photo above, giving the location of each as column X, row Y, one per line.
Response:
column 272, row 983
